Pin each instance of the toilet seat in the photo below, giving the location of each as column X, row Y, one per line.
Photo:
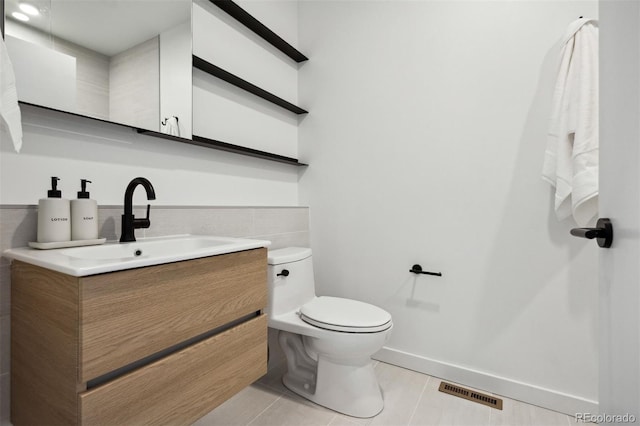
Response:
column 345, row 315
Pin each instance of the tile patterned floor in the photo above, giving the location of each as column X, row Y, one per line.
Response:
column 411, row 398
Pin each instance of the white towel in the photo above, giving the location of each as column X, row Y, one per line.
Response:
column 10, row 121
column 571, row 158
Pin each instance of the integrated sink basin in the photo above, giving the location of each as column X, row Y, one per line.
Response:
column 146, row 248
column 114, row 256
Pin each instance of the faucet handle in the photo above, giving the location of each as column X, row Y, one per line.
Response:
column 143, row 223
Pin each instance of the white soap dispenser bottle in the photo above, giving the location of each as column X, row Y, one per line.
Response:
column 84, row 215
column 54, row 216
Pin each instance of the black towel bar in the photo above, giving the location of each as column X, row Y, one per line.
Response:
column 417, row 269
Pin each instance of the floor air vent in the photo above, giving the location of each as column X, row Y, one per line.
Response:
column 474, row 396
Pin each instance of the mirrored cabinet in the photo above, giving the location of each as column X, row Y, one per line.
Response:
column 127, row 62
column 133, row 62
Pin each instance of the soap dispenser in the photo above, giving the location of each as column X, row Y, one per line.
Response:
column 54, row 216
column 84, row 215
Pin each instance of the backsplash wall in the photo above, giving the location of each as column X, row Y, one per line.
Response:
column 283, row 226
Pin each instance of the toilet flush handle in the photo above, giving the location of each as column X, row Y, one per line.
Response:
column 284, row 273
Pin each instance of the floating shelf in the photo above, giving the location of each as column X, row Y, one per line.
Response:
column 162, row 135
column 225, row 146
column 197, row 140
column 218, row 72
column 259, row 28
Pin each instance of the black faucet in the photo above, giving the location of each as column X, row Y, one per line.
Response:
column 129, row 222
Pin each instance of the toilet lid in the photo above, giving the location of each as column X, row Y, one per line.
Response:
column 335, row 313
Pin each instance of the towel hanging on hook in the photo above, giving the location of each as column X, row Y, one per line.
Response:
column 571, row 156
column 164, row 122
column 170, row 126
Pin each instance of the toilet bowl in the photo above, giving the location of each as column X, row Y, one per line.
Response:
column 327, row 341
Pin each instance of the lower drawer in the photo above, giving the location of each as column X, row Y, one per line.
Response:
column 183, row 386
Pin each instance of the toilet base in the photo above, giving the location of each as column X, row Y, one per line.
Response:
column 349, row 389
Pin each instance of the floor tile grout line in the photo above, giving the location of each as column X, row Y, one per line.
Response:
column 335, row 416
column 266, row 408
column 415, row 408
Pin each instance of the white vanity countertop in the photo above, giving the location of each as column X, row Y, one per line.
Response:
column 114, row 256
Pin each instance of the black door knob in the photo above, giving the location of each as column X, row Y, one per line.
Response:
column 603, row 232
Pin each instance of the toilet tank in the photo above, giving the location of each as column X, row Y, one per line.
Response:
column 290, row 292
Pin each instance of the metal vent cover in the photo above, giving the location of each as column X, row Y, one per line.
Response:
column 471, row 395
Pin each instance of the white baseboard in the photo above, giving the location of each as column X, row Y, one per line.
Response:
column 531, row 394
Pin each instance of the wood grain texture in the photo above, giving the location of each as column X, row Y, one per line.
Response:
column 184, row 386
column 131, row 314
column 44, row 346
column 64, row 325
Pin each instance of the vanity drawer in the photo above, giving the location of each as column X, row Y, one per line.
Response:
column 128, row 315
column 184, row 386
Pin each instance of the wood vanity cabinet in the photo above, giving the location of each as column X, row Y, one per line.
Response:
column 161, row 344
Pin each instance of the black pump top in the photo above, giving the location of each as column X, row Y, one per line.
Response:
column 83, row 185
column 54, row 192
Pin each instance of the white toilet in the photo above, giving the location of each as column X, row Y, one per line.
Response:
column 328, row 341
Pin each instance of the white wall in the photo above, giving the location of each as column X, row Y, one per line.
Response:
column 280, row 16
column 426, row 139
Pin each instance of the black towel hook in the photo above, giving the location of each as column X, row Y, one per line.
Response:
column 164, row 122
